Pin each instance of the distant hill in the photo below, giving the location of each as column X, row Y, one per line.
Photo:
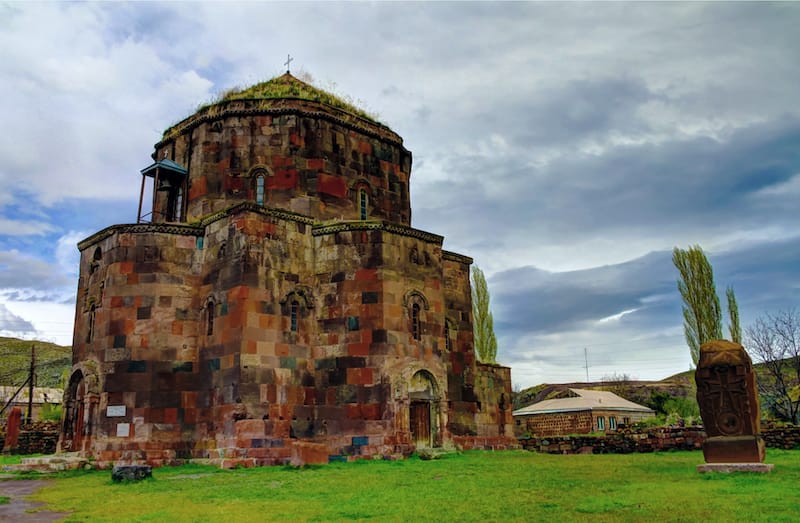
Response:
column 15, row 360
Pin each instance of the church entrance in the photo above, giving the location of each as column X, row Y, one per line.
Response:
column 420, row 413
column 423, row 410
column 73, row 429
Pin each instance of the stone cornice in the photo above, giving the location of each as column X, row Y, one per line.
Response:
column 141, row 228
column 271, row 107
column 258, row 209
column 318, row 229
column 459, row 258
column 322, row 229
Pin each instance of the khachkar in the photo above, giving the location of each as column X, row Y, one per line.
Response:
column 728, row 400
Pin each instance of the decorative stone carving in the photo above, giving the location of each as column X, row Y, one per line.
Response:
column 728, row 400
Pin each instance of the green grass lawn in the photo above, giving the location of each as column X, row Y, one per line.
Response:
column 473, row 486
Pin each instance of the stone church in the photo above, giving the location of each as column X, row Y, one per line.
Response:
column 275, row 303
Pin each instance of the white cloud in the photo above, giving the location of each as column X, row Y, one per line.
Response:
column 12, row 325
column 85, row 107
column 24, row 227
column 37, row 320
column 67, row 254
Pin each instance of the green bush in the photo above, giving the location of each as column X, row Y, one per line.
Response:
column 51, row 412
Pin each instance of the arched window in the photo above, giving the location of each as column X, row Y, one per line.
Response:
column 414, row 303
column 174, row 200
column 415, row 325
column 95, row 263
column 260, row 189
column 210, row 317
column 296, row 305
column 90, row 330
column 363, row 201
column 294, row 310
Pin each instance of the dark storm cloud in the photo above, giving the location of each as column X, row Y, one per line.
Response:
column 530, row 303
column 571, row 112
column 693, row 185
column 575, row 299
column 764, row 275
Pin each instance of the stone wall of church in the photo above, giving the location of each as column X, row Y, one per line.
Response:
column 136, row 335
column 298, row 306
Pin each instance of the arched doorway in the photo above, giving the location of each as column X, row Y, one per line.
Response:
column 423, row 395
column 74, row 416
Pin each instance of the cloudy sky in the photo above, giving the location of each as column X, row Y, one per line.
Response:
column 566, row 147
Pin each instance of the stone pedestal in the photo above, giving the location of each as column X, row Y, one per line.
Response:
column 727, row 468
column 734, row 449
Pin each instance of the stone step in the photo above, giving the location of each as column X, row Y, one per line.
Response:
column 52, row 463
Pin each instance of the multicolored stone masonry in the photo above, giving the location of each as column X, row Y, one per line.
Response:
column 276, row 305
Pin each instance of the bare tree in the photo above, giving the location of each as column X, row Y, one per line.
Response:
column 774, row 341
column 619, row 384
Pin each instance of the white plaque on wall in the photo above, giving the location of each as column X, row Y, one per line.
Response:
column 123, row 430
column 114, row 411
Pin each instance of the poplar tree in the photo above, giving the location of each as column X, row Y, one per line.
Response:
column 483, row 323
column 702, row 316
column 733, row 311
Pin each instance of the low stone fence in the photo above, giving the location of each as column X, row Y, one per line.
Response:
column 621, row 442
column 649, row 440
column 787, row 437
column 39, row 437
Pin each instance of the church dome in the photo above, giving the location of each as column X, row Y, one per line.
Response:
column 283, row 144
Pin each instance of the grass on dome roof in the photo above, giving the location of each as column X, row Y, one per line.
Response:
column 287, row 86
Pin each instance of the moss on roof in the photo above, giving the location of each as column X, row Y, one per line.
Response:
column 287, row 86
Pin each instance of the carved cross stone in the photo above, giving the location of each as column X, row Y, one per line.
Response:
column 728, row 400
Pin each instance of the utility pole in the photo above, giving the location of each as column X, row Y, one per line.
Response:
column 31, row 379
column 586, row 361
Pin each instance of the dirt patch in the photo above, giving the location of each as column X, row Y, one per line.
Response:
column 20, row 509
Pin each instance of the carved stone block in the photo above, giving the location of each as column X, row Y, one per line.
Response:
column 728, row 400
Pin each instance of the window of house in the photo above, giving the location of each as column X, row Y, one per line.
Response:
column 626, row 421
column 210, row 318
column 415, row 326
column 601, row 423
column 448, row 344
column 260, row 189
column 363, row 200
column 295, row 307
column 612, row 423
